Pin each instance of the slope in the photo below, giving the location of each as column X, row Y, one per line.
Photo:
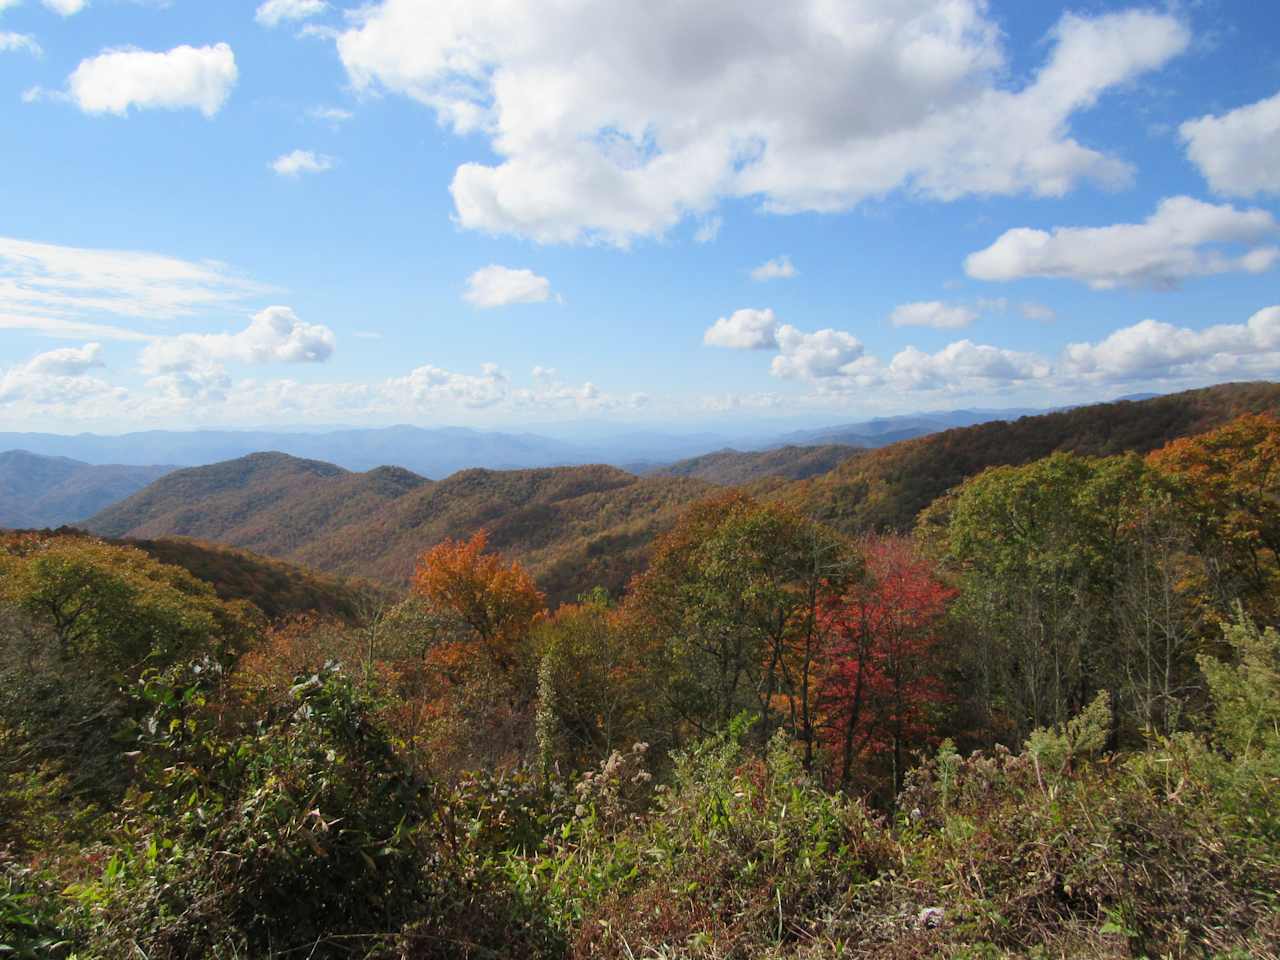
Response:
column 39, row 491
column 885, row 489
column 734, row 468
column 271, row 503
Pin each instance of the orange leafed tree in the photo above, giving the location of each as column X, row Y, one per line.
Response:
column 1229, row 479
column 496, row 602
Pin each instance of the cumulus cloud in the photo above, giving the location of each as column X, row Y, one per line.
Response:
column 1236, row 152
column 66, row 8
column 614, row 121
column 69, row 291
column 779, row 268
column 198, row 78
column 963, row 365
column 496, row 286
column 274, row 12
column 816, row 356
column 275, row 335
column 56, row 378
column 836, row 361
column 932, row 313
column 1152, row 350
column 10, row 42
column 745, row 329
column 299, row 162
column 1184, row 238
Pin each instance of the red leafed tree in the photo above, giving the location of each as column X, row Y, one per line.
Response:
column 879, row 678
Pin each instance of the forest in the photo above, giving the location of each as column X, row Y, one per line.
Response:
column 1030, row 711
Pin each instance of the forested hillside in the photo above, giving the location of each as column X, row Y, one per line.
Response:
column 576, row 527
column 733, row 468
column 38, row 491
column 1045, row 721
column 885, row 489
column 579, row 527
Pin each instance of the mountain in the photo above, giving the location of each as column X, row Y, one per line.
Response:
column 277, row 588
column 885, row 489
column 882, row 431
column 442, row 451
column 271, row 503
column 40, row 491
column 575, row 527
column 435, row 452
column 734, row 468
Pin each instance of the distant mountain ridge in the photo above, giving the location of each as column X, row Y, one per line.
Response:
column 885, row 489
column 39, row 491
column 576, row 527
column 441, row 451
column 735, row 468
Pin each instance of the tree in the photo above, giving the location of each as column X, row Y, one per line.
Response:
column 592, row 697
column 114, row 608
column 1037, row 552
column 730, row 601
column 879, row 676
column 479, row 670
column 1228, row 480
column 492, row 604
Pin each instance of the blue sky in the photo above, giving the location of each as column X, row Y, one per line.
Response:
column 502, row 212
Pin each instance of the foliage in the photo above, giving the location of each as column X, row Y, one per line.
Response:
column 592, row 691
column 884, row 490
column 879, row 679
column 1041, row 555
column 297, row 833
column 731, row 601
column 114, row 606
column 740, row 856
column 1228, row 481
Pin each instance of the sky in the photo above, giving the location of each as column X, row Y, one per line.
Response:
column 498, row 213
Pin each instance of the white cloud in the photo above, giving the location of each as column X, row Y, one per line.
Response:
column 299, row 162
column 745, row 329
column 816, row 356
column 199, row 78
column 333, row 115
column 275, row 335
column 1037, row 311
column 496, row 286
column 67, row 361
column 1236, row 152
column 274, row 12
column 962, row 366
column 1152, row 350
column 779, row 268
column 708, row 230
column 69, row 291
column 55, row 379
column 614, row 121
column 1184, row 238
column 836, row 361
column 932, row 313
column 66, row 8
column 10, row 42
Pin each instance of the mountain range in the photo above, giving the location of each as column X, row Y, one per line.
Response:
column 441, row 451
column 581, row 526
column 42, row 491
